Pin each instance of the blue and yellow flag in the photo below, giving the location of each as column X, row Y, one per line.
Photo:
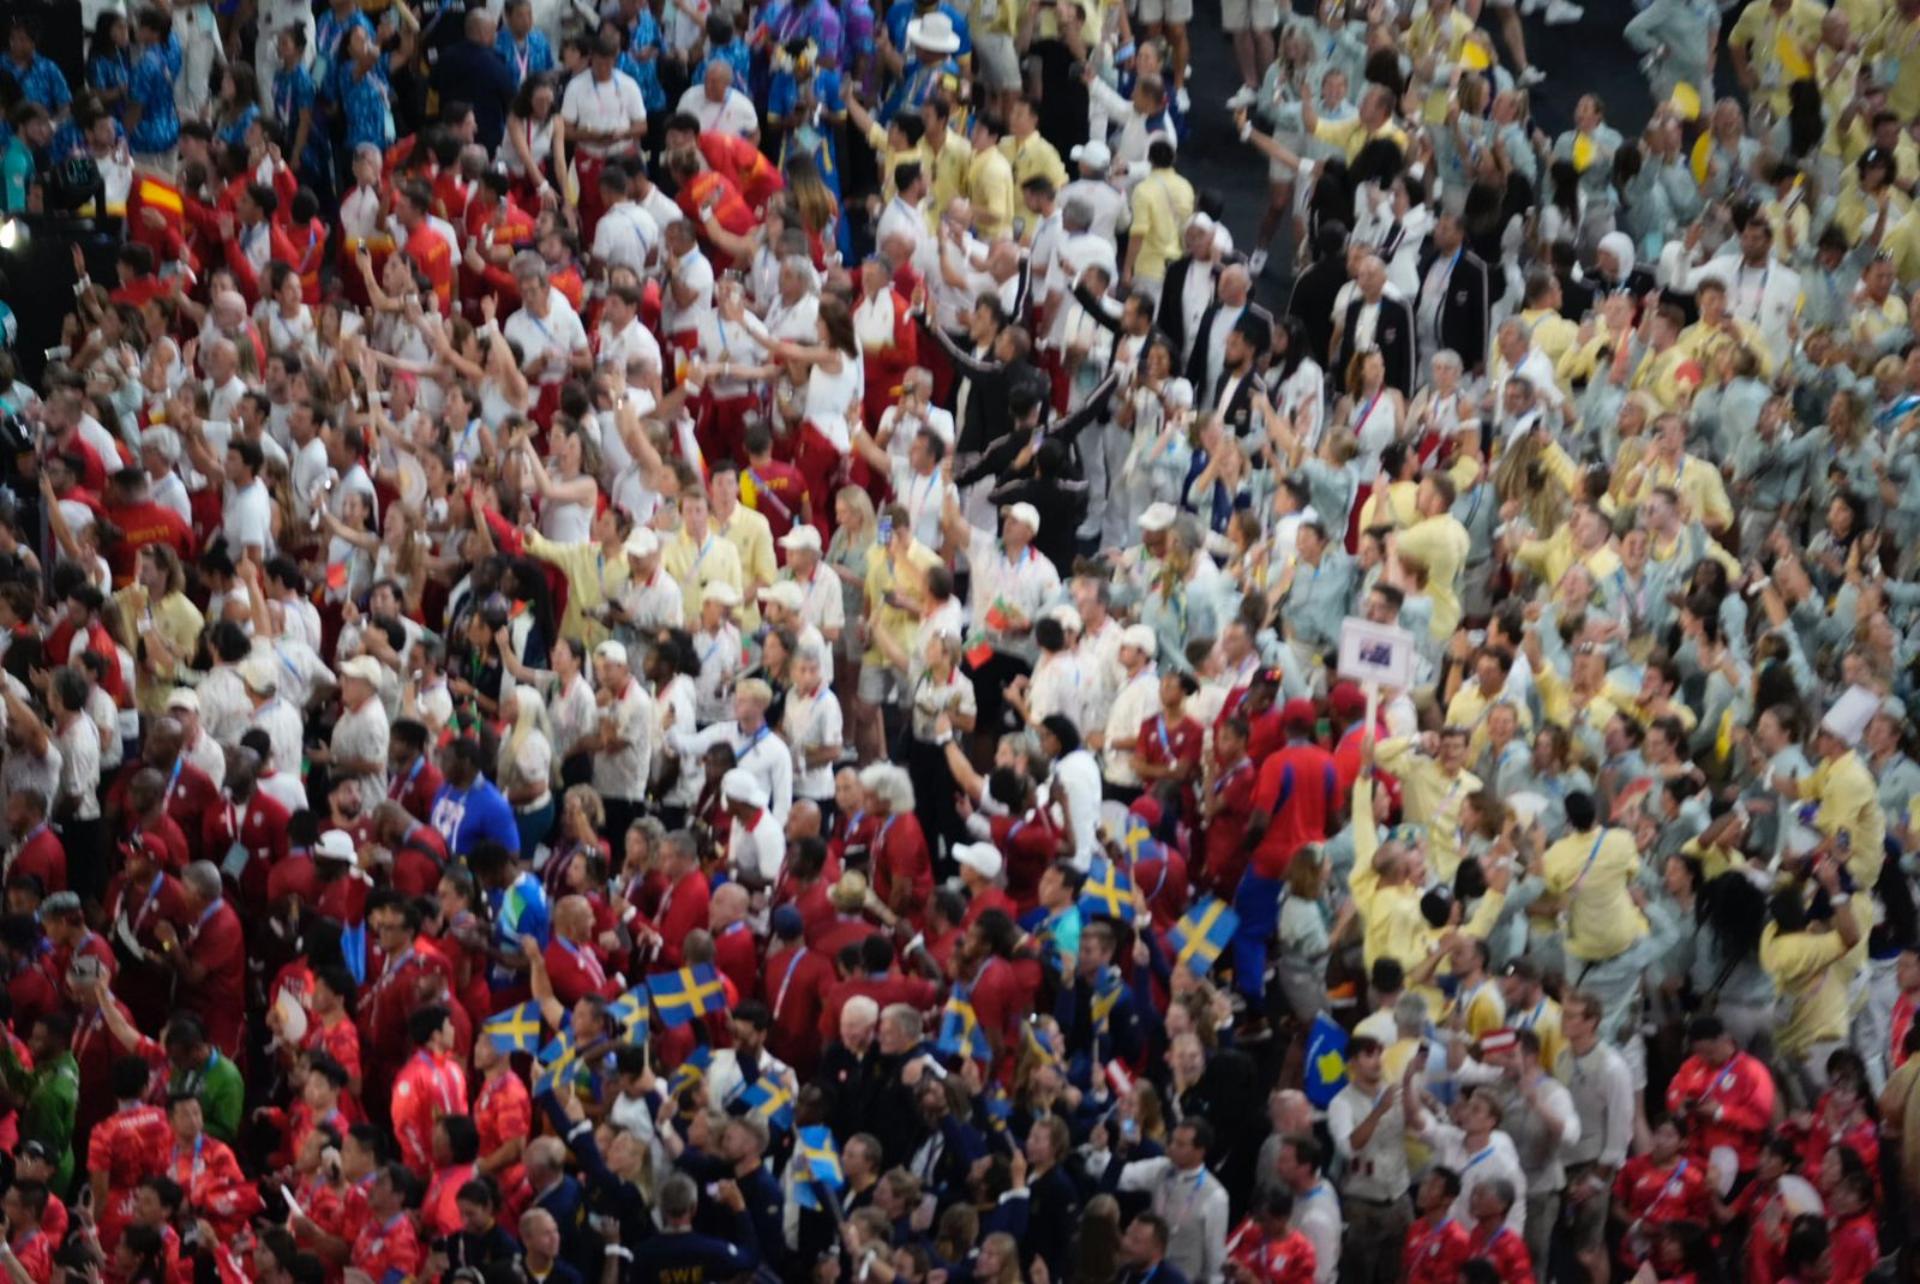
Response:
column 1326, row 1060
column 630, row 1012
column 1108, row 986
column 560, row 1068
column 821, row 1167
column 1033, row 1040
column 691, row 1071
column 1203, row 933
column 768, row 1100
column 515, row 1030
column 688, row 993
column 960, row 1032
column 1137, row 842
column 999, row 1107
column 1107, row 893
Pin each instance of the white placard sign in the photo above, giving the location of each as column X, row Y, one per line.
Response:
column 1376, row 653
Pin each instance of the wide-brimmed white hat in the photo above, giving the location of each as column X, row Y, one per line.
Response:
column 934, row 33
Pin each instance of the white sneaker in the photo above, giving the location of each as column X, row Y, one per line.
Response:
column 1532, row 76
column 1562, row 14
column 1257, row 262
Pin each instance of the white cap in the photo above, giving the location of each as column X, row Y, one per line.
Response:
column 1851, row 713
column 933, row 33
column 335, row 844
column 1026, row 514
column 78, row 515
column 258, row 675
column 1158, row 517
column 743, row 787
column 1179, row 394
column 363, row 667
column 1093, row 155
column 184, row 699
column 723, row 593
column 610, row 651
column 982, row 858
column 786, row 593
column 1140, row 638
column 642, row 543
column 1068, row 618
column 802, row 537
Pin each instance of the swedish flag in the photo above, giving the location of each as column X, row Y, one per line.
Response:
column 1107, row 988
column 999, row 1107
column 1107, row 893
column 1203, row 933
column 1138, row 842
column 768, row 1100
column 630, row 1012
column 1326, row 1060
column 821, row 1167
column 515, row 1030
column 691, row 1071
column 560, row 1068
column 1034, row 1040
column 688, row 993
column 960, row 1032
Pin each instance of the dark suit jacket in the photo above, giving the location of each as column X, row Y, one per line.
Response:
column 1464, row 320
column 1392, row 334
column 1314, row 291
column 1171, row 319
column 1238, row 413
column 987, row 415
column 1196, row 370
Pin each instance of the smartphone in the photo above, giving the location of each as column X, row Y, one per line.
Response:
column 885, row 532
column 1124, row 53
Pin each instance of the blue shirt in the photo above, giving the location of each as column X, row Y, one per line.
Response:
column 330, row 62
column 366, row 103
column 16, row 173
column 524, row 58
column 468, row 817
column 293, row 93
column 646, row 72
column 158, row 128
column 736, row 55
column 114, row 71
column 235, row 130
column 41, row 82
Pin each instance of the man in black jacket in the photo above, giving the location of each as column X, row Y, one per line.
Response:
column 1375, row 319
column 1451, row 310
column 1233, row 300
column 1315, row 289
column 1233, row 394
column 999, row 359
column 1188, row 287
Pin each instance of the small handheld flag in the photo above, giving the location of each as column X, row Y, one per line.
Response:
column 688, row 993
column 1137, row 842
column 1107, row 989
column 630, row 1011
column 1203, row 933
column 690, row 1072
column 820, row 1161
column 768, row 1100
column 515, row 1030
column 1326, row 1060
column 560, row 1068
column 960, row 1032
column 1033, row 1040
column 1107, row 893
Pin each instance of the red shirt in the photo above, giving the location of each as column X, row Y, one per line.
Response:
column 1742, row 1090
column 730, row 208
column 206, row 1169
column 796, row 980
column 1856, row 1249
column 1296, row 789
column 433, row 258
column 146, row 523
column 1231, row 797
column 1286, row 1260
column 576, row 971
column 1646, row 1192
column 745, row 166
column 1434, row 1253
column 1030, row 844
column 1505, row 1250
column 737, row 956
column 503, row 1112
column 260, row 826
column 985, row 899
column 682, row 909
column 217, row 942
column 914, row 991
column 428, row 1087
column 1000, row 1002
column 126, row 1146
column 42, row 855
column 439, row 1211
column 1177, row 746
column 774, row 490
column 902, row 867
column 415, row 789
column 34, row 1251
column 391, row 1245
column 32, row 996
column 339, row 1040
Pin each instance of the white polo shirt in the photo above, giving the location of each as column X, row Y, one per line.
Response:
column 733, row 114
column 626, row 236
column 606, row 106
column 559, row 333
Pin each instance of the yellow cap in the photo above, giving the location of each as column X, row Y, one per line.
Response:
column 1685, row 101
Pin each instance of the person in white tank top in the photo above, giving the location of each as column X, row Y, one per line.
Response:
column 835, row 386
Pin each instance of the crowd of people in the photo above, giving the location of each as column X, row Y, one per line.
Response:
column 653, row 644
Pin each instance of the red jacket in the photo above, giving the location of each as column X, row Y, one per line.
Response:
column 737, row 955
column 1000, row 1003
column 216, row 1188
column 1504, row 1249
column 1856, row 1249
column 682, row 909
column 576, row 971
column 1654, row 1195
column 125, row 1147
column 1298, row 791
column 902, row 866
column 1434, row 1253
column 1287, row 1260
column 419, row 860
column 1741, row 1092
column 260, row 826
column 416, row 789
column 1231, row 795
column 744, row 165
column 387, row 1248
column 796, row 979
column 428, row 1087
column 218, row 943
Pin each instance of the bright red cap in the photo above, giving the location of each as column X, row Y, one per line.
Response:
column 1299, row 713
column 1347, row 701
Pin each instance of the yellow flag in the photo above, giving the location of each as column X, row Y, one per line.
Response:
column 1702, row 150
column 1685, row 101
column 1474, row 56
column 1582, row 153
column 1792, row 61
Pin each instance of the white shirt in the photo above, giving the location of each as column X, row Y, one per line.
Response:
column 1058, row 686
column 626, row 236
column 78, row 746
column 1138, row 700
column 248, row 518
column 1495, row 1159
column 812, row 722
column 1104, row 202
column 361, row 734
column 1194, row 1205
column 634, row 343
column 695, row 273
column 1316, row 1213
column 901, row 219
column 1025, row 584
column 623, row 773
column 284, row 727
column 1378, row 1170
column 923, row 497
column 1076, row 779
column 733, row 114
column 763, row 754
column 606, row 106
column 558, row 335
